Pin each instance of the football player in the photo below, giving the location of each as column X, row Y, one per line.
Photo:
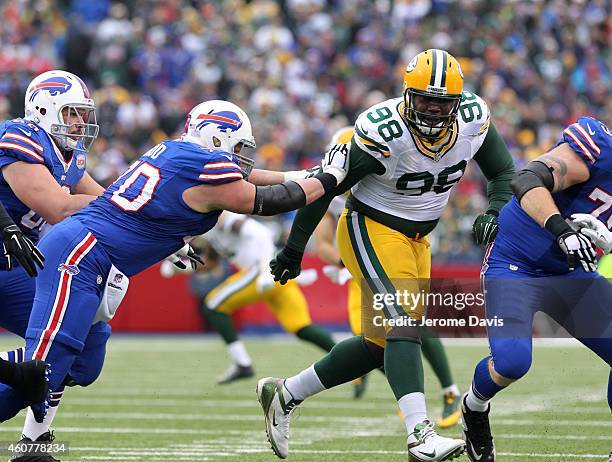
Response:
column 43, row 158
column 432, row 348
column 553, row 270
column 175, row 190
column 249, row 245
column 405, row 157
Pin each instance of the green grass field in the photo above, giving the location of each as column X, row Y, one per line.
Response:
column 157, row 400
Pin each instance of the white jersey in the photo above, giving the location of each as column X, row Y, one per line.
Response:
column 252, row 245
column 336, row 207
column 418, row 180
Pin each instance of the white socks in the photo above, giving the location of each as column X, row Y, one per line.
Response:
column 454, row 389
column 414, row 409
column 303, row 385
column 33, row 429
column 474, row 403
column 239, row 354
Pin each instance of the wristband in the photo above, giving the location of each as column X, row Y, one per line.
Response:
column 557, row 225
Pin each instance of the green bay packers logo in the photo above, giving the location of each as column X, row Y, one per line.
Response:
column 412, row 64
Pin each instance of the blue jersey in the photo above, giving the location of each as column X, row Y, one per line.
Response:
column 23, row 141
column 142, row 218
column 523, row 242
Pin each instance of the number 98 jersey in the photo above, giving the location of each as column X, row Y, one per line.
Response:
column 419, row 176
column 142, row 218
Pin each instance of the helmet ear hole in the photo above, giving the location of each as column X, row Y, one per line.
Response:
column 216, row 142
column 42, row 110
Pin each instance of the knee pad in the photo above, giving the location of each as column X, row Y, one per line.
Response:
column 512, row 362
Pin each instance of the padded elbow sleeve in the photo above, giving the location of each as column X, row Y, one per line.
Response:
column 535, row 175
column 278, row 198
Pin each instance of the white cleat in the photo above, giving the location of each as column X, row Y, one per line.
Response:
column 425, row 445
column 277, row 413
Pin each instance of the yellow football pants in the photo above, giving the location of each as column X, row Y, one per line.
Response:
column 383, row 261
column 287, row 302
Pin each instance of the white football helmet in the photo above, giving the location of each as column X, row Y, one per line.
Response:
column 60, row 103
column 222, row 125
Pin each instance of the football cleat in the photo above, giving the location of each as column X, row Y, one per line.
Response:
column 277, row 413
column 34, row 455
column 236, row 372
column 477, row 434
column 610, row 458
column 359, row 386
column 451, row 412
column 425, row 445
column 30, row 381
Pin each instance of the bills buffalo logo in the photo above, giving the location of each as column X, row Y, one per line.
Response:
column 70, row 269
column 227, row 121
column 54, row 85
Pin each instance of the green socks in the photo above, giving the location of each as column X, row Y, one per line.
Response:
column 403, row 366
column 436, row 356
column 347, row 361
column 317, row 335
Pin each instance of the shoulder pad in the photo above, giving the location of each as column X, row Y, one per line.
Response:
column 367, row 133
column 474, row 115
column 589, row 137
column 22, row 138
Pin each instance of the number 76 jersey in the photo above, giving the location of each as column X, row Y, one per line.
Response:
column 142, row 218
column 418, row 176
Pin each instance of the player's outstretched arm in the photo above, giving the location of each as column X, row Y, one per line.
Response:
column 269, row 177
column 35, row 187
column 555, row 171
column 288, row 261
column 496, row 164
column 244, row 197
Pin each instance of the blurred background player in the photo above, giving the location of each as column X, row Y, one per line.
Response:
column 43, row 179
column 431, row 346
column 177, row 189
column 553, row 271
column 249, row 246
column 405, row 157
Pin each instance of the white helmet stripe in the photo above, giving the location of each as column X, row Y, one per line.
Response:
column 439, row 70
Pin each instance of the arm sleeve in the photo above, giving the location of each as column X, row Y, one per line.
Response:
column 497, row 165
column 360, row 164
column 17, row 145
column 5, row 219
column 219, row 169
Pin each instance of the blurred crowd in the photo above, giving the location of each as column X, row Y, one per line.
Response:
column 303, row 68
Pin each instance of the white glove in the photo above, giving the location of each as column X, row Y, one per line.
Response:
column 337, row 274
column 185, row 258
column 336, row 161
column 578, row 247
column 307, row 277
column 595, row 230
column 301, row 174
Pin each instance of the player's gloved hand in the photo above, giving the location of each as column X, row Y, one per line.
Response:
column 485, row 228
column 185, row 255
column 293, row 175
column 286, row 265
column 336, row 162
column 18, row 246
column 576, row 246
column 595, row 230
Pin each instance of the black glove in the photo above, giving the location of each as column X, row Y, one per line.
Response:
column 485, row 228
column 16, row 245
column 576, row 246
column 286, row 265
